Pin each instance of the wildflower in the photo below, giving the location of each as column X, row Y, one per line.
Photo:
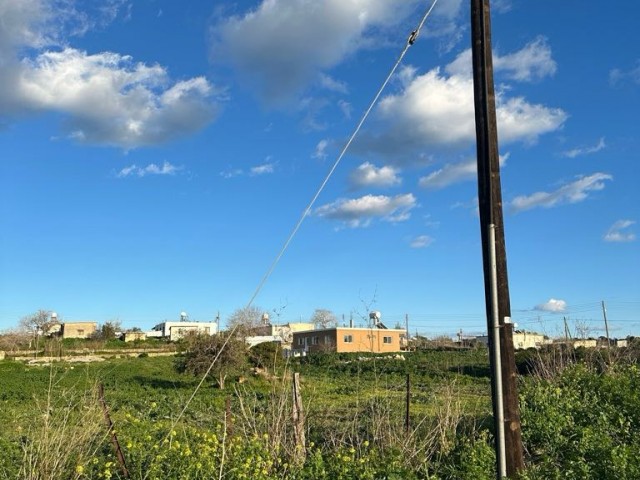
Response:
column 79, row 469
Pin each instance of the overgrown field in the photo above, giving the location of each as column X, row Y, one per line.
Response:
column 580, row 414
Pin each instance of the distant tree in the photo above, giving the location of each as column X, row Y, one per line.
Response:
column 203, row 349
column 107, row 330
column 245, row 319
column 324, row 318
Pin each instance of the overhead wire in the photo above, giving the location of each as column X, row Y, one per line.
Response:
column 410, row 41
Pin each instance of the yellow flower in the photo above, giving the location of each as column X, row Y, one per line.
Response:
column 79, row 469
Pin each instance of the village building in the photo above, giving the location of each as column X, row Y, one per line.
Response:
column 78, row 329
column 349, row 339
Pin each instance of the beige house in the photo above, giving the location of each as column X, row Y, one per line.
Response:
column 349, row 339
column 78, row 329
column 133, row 336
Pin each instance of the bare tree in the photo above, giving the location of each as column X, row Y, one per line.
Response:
column 36, row 322
column 324, row 318
column 243, row 320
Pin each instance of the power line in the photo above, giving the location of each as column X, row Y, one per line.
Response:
column 410, row 41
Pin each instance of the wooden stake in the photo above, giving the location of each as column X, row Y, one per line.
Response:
column 298, row 422
column 114, row 438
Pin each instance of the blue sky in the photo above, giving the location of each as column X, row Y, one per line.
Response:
column 155, row 155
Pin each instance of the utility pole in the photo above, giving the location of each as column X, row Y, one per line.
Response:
column 491, row 220
column 606, row 324
column 566, row 329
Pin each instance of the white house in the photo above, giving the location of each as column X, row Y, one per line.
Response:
column 176, row 330
column 521, row 340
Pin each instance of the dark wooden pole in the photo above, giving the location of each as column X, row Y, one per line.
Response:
column 490, row 206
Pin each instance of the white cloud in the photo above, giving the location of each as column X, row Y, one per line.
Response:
column 110, row 100
column 533, row 62
column 421, row 241
column 436, row 110
column 345, row 108
column 619, row 232
column 152, row 169
column 263, row 169
column 454, row 173
column 553, row 305
column 104, row 98
column 281, row 45
column 368, row 175
column 573, row 192
column 231, row 172
column 576, row 152
column 358, row 212
column 321, row 149
column 333, row 85
column 618, row 76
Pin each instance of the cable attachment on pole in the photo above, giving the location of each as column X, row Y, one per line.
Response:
column 413, row 37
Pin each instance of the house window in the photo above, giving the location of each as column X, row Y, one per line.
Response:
column 387, row 340
column 327, row 339
column 348, row 339
column 314, row 341
column 300, row 341
column 80, row 332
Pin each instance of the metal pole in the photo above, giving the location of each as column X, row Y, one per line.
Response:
column 495, row 352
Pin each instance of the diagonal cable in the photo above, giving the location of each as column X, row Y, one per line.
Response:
column 410, row 41
column 412, row 38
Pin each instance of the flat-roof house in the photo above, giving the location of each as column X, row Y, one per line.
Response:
column 78, row 329
column 176, row 330
column 349, row 339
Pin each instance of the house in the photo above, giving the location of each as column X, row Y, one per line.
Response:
column 277, row 333
column 78, row 329
column 349, row 339
column 176, row 330
column 132, row 336
column 522, row 340
column 585, row 342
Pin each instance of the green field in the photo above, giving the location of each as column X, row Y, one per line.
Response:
column 581, row 422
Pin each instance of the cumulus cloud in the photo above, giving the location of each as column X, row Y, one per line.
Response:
column 280, row 46
column 368, row 175
column 577, row 152
column 104, row 98
column 553, row 305
column 619, row 232
column 359, row 212
column 436, row 110
column 573, row 192
column 533, row 62
column 421, row 241
column 152, row 169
